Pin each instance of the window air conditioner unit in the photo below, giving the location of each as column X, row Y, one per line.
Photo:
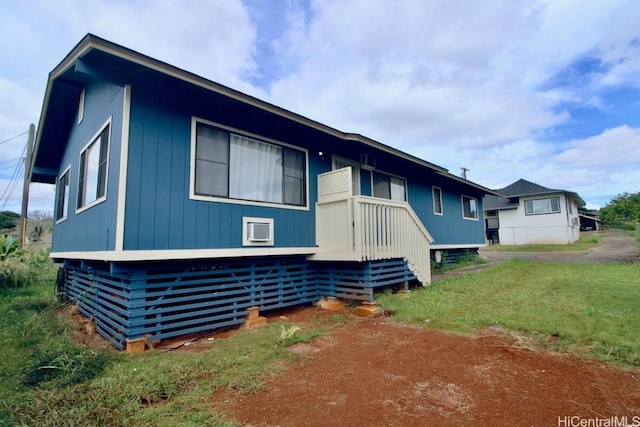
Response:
column 259, row 231
column 367, row 161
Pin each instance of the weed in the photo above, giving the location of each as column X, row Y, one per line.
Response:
column 287, row 334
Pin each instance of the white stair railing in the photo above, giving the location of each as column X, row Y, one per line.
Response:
column 361, row 228
column 386, row 229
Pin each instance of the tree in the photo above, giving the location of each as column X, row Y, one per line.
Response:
column 622, row 211
column 8, row 220
column 39, row 223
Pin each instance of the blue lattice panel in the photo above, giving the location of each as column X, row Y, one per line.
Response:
column 357, row 280
column 169, row 299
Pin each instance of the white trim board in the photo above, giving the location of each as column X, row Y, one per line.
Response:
column 461, row 246
column 124, row 159
column 179, row 254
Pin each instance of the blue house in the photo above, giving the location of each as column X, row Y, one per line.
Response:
column 180, row 202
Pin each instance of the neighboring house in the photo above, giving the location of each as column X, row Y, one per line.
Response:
column 528, row 213
column 181, row 203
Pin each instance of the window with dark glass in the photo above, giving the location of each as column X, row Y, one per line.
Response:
column 389, row 187
column 469, row 207
column 62, row 196
column 437, row 201
column 238, row 167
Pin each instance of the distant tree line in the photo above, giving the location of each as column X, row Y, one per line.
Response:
column 8, row 220
column 39, row 223
column 622, row 212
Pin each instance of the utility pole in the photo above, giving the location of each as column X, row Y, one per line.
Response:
column 464, row 172
column 25, row 185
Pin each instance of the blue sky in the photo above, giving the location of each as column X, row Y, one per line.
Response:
column 548, row 91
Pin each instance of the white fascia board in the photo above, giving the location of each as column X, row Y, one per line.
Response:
column 179, row 254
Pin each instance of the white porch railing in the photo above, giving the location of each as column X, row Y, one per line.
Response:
column 361, row 228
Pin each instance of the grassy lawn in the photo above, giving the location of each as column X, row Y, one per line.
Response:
column 586, row 242
column 588, row 309
column 48, row 380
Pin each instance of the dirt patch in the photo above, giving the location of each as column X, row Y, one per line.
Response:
column 378, row 373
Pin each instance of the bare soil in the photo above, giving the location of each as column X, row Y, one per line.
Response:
column 374, row 372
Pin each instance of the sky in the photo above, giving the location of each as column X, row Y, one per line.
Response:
column 547, row 91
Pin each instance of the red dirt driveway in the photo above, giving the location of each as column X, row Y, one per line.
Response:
column 374, row 372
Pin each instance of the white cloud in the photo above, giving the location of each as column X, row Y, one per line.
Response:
column 614, row 148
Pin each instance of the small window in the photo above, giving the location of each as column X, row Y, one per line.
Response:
column 92, row 185
column 437, row 200
column 469, row 208
column 62, row 196
column 569, row 207
column 491, row 213
column 542, row 206
column 389, row 187
column 81, row 107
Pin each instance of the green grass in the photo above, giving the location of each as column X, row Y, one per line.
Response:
column 586, row 242
column 593, row 309
column 46, row 379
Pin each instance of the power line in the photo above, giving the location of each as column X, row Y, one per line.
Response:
column 13, row 137
column 13, row 181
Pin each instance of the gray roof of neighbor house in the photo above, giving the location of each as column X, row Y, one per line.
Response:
column 490, row 203
column 521, row 188
column 116, row 60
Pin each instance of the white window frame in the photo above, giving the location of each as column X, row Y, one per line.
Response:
column 433, row 192
column 65, row 198
column 477, row 217
column 531, row 211
column 81, row 106
column 192, row 173
column 106, row 176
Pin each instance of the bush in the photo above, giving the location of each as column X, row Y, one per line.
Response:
column 622, row 225
column 23, row 267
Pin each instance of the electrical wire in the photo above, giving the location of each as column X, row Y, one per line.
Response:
column 14, row 137
column 13, row 181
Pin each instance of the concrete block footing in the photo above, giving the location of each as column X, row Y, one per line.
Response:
column 331, row 304
column 254, row 319
column 136, row 345
column 368, row 309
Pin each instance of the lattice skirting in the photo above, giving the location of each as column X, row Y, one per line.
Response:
column 358, row 280
column 174, row 298
column 166, row 299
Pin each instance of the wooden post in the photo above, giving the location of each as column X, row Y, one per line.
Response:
column 25, row 185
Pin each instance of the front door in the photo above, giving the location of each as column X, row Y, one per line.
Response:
column 341, row 162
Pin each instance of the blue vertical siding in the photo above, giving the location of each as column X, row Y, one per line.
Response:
column 448, row 229
column 92, row 229
column 159, row 213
